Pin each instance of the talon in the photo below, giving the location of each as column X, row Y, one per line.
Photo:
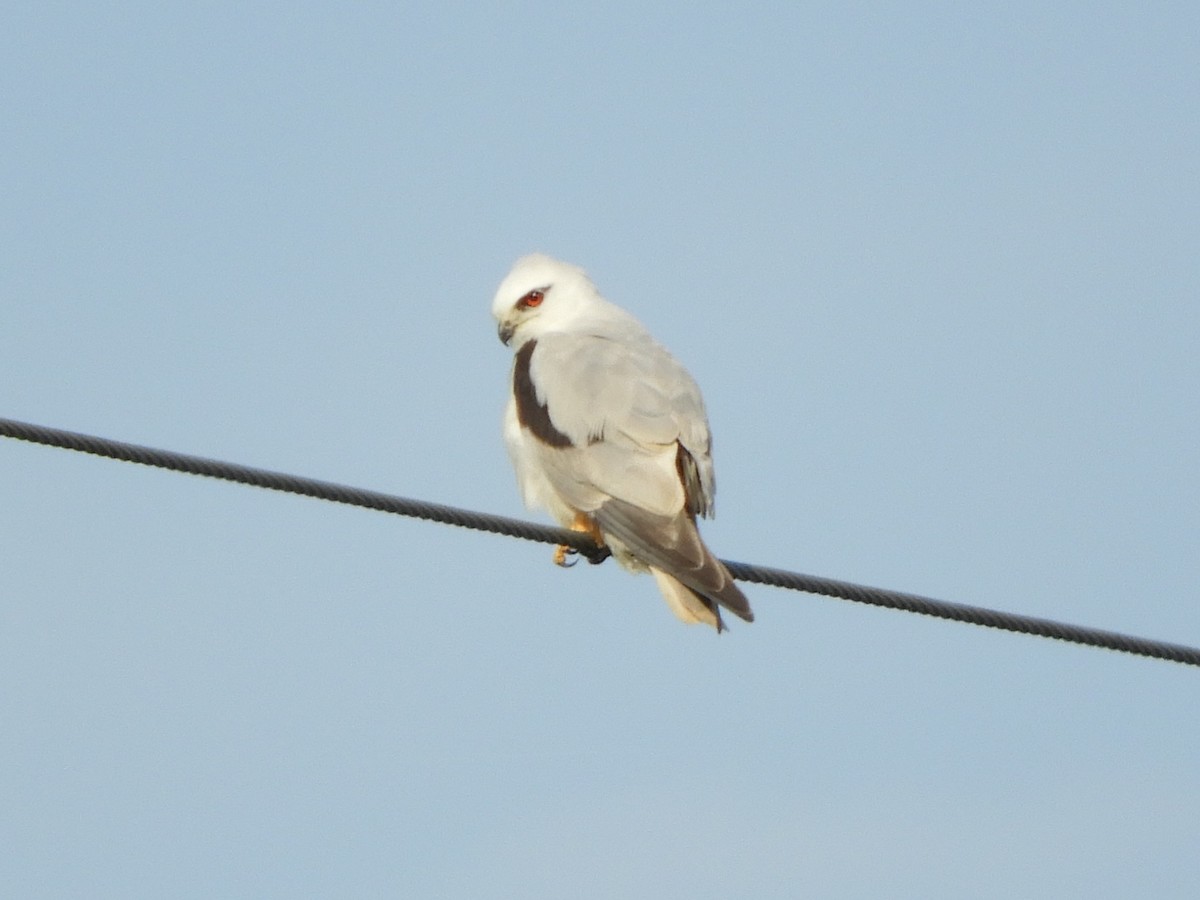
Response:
column 585, row 525
column 561, row 554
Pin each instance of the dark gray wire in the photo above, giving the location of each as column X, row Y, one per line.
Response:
column 530, row 531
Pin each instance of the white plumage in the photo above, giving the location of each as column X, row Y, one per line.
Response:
column 607, row 431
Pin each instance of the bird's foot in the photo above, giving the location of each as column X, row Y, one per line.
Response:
column 566, row 556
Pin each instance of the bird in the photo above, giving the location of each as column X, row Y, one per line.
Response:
column 607, row 431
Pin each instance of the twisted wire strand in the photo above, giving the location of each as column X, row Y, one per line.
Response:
column 531, row 531
column 961, row 612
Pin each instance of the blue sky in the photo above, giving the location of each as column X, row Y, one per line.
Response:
column 935, row 267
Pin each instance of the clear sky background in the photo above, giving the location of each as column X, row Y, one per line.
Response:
column 936, row 267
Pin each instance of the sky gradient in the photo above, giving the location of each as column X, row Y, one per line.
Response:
column 936, row 270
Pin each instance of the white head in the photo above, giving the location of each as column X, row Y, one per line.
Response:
column 542, row 294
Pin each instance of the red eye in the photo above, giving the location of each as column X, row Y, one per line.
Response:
column 533, row 298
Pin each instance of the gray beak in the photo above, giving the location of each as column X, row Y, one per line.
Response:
column 506, row 332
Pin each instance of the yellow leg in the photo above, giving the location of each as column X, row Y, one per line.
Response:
column 585, row 524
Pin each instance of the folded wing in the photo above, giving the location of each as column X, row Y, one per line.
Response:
column 636, row 456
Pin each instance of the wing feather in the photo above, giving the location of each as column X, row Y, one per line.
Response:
column 636, row 455
column 627, row 399
column 674, row 546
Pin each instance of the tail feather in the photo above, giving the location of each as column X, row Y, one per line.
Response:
column 690, row 606
column 693, row 581
column 687, row 605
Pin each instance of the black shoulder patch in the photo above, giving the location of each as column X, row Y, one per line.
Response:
column 530, row 413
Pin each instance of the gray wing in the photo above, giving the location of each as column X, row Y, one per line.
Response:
column 638, row 458
column 634, row 417
column 673, row 545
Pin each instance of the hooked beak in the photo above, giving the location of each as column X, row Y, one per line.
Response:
column 506, row 332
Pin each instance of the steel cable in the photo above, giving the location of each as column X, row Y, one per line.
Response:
column 531, row 531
